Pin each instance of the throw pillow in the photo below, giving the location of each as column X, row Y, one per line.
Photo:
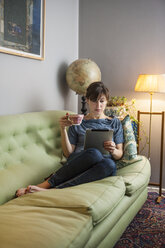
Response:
column 130, row 146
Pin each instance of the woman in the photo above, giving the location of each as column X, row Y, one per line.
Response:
column 84, row 166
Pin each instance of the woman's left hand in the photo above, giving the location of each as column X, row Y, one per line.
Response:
column 115, row 150
column 110, row 146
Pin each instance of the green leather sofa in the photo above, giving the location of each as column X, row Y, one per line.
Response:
column 89, row 215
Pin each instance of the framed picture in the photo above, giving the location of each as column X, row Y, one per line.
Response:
column 22, row 28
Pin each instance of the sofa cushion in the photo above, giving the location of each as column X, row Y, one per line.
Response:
column 43, row 227
column 135, row 175
column 98, row 198
column 130, row 147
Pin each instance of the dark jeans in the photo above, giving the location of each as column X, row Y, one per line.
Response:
column 86, row 166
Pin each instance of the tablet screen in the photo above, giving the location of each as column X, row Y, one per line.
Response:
column 94, row 138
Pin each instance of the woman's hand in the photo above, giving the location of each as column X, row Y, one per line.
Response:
column 115, row 150
column 66, row 145
column 65, row 122
column 110, row 146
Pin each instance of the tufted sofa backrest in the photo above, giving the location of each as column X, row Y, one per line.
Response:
column 30, row 149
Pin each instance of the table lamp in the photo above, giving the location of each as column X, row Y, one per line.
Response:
column 150, row 84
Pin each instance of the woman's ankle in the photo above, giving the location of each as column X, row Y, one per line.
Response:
column 44, row 185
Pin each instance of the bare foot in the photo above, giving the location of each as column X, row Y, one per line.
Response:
column 33, row 189
column 20, row 192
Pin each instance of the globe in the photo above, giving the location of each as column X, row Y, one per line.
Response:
column 81, row 73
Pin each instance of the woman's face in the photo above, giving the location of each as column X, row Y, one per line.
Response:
column 97, row 107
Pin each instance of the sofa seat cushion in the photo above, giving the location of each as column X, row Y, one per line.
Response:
column 42, row 227
column 97, row 198
column 135, row 175
column 59, row 217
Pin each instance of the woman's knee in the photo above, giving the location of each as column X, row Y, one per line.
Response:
column 95, row 154
column 109, row 167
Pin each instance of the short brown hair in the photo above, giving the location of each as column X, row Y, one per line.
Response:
column 95, row 90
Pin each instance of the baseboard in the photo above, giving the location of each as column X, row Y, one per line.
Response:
column 155, row 189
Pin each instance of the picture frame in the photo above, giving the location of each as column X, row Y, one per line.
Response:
column 22, row 28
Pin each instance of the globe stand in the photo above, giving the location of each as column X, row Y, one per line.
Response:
column 83, row 109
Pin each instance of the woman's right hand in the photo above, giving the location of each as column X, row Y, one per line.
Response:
column 65, row 122
column 66, row 145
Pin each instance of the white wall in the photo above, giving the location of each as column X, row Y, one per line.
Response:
column 126, row 38
column 29, row 85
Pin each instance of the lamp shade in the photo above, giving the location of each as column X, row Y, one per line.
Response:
column 150, row 83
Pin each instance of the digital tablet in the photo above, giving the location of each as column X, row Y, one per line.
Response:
column 94, row 138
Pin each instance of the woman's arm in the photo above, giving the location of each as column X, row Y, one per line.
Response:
column 67, row 147
column 115, row 150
